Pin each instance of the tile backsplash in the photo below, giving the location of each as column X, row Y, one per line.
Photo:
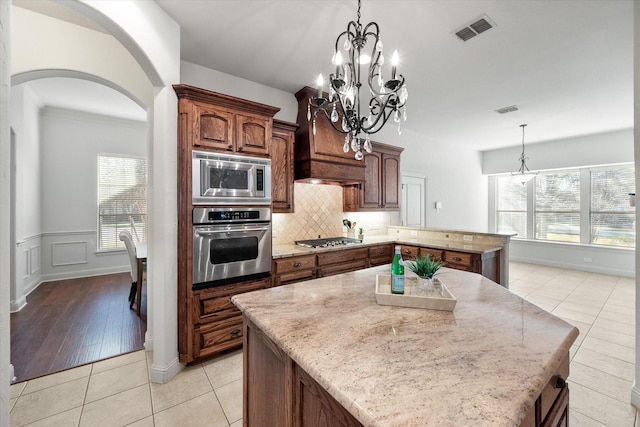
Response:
column 318, row 212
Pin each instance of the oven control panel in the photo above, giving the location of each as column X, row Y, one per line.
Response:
column 231, row 215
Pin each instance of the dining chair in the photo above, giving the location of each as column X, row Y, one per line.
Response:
column 125, row 236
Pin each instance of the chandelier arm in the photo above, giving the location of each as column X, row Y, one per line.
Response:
column 327, row 115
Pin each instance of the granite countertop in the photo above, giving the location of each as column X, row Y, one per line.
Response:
column 484, row 364
column 287, row 250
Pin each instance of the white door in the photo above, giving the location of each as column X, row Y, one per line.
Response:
column 413, row 206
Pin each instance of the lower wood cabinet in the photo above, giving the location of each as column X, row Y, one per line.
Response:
column 342, row 261
column 380, row 254
column 293, row 269
column 277, row 392
column 217, row 324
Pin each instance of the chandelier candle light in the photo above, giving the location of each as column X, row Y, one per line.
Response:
column 388, row 97
column 523, row 175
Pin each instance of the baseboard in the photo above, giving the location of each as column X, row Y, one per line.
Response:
column 84, row 273
column 570, row 266
column 16, row 306
column 164, row 374
column 148, row 341
column 635, row 396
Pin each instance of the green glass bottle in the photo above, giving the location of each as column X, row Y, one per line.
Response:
column 397, row 273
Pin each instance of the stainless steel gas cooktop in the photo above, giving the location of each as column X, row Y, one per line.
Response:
column 328, row 242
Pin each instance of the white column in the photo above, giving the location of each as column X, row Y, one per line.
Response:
column 5, row 210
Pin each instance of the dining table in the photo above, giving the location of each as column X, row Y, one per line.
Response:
column 141, row 259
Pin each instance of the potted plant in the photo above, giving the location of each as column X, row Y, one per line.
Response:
column 425, row 268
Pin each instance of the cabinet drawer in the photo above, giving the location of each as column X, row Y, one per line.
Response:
column 409, row 253
column 552, row 390
column 213, row 338
column 458, row 258
column 382, row 251
column 342, row 256
column 286, row 265
column 214, row 304
column 345, row 267
column 294, row 276
column 434, row 254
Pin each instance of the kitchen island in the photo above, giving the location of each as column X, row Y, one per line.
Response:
column 323, row 352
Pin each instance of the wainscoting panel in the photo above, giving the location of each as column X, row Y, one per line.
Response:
column 68, row 253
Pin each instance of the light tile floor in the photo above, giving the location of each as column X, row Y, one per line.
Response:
column 117, row 392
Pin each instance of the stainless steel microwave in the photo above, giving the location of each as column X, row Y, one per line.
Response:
column 230, row 180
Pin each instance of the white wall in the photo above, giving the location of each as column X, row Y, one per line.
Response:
column 590, row 150
column 25, row 123
column 454, row 177
column 71, row 142
column 206, row 78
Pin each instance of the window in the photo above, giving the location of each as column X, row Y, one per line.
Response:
column 587, row 206
column 557, row 212
column 512, row 207
column 122, row 200
column 612, row 220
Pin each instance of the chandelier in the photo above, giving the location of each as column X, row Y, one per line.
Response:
column 342, row 104
column 523, row 175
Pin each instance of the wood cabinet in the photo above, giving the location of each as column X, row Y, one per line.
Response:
column 342, row 261
column 278, row 392
column 293, row 269
column 210, row 121
column 380, row 190
column 217, row 322
column 434, row 254
column 282, row 179
column 380, row 254
column 223, row 123
column 409, row 253
column 319, row 155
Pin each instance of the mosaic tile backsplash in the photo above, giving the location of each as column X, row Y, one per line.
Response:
column 318, row 212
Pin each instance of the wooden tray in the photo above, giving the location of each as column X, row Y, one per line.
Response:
column 412, row 296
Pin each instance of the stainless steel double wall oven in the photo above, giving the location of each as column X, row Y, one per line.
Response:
column 231, row 218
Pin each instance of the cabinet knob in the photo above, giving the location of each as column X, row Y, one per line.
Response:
column 297, row 264
column 235, row 332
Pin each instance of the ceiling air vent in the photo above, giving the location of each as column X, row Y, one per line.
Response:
column 509, row 109
column 479, row 26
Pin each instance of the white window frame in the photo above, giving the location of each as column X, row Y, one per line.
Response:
column 585, row 206
column 138, row 233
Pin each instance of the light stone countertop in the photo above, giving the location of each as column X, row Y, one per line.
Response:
column 484, row 364
column 288, row 250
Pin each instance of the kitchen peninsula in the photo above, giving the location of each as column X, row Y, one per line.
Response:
column 323, row 351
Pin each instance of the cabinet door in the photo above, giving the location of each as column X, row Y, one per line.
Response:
column 409, row 253
column 254, row 134
column 371, row 191
column 213, row 127
column 390, row 182
column 281, row 154
column 434, row 254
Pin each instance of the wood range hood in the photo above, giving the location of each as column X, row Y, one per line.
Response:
column 319, row 158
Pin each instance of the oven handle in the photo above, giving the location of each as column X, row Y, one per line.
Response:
column 198, row 232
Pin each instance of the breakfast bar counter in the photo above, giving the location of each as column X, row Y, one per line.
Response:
column 323, row 352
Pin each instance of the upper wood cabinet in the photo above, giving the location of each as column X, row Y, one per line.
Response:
column 281, row 152
column 381, row 187
column 225, row 123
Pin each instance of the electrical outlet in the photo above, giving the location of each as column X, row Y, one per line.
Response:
column 588, row 260
column 467, row 238
column 414, row 232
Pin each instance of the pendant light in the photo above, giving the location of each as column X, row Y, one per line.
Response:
column 523, row 175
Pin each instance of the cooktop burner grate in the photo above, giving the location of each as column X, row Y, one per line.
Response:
column 331, row 241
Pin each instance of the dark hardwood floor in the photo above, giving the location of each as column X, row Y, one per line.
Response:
column 69, row 323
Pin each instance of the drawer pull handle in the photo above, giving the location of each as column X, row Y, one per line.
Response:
column 235, row 332
column 560, row 382
column 297, row 264
column 457, row 258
